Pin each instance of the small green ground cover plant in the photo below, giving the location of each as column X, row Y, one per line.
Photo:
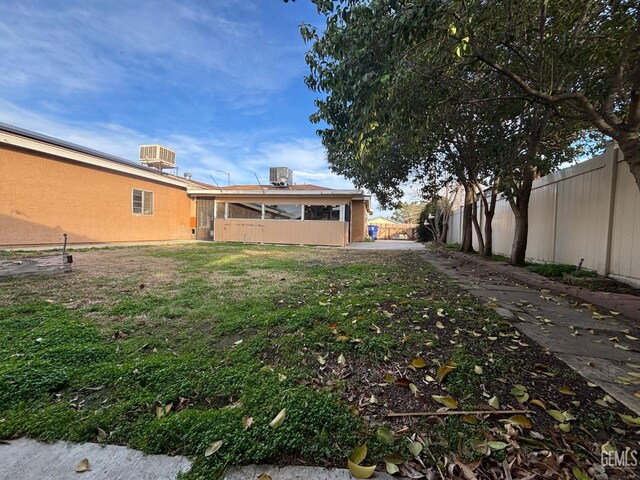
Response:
column 234, row 354
column 557, row 270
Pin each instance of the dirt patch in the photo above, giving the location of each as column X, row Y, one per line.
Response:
column 96, row 276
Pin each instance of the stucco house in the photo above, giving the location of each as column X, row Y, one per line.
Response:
column 49, row 187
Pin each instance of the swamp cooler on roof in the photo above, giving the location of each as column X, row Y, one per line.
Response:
column 280, row 176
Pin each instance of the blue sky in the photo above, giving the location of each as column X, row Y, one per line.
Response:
column 220, row 82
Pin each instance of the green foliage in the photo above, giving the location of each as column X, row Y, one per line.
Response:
column 423, row 231
column 248, row 346
column 551, row 270
column 63, row 376
column 408, row 212
column 586, row 56
column 410, row 93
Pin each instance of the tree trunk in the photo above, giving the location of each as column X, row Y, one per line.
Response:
column 519, row 246
column 488, row 234
column 520, row 207
column 476, row 226
column 631, row 152
column 445, row 229
column 489, row 212
column 467, row 222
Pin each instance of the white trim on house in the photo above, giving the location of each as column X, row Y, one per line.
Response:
column 355, row 194
column 69, row 154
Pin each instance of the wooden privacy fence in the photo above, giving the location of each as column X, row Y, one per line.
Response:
column 590, row 210
column 396, row 231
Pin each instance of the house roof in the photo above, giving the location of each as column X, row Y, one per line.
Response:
column 29, row 140
column 302, row 186
column 20, row 137
column 278, row 192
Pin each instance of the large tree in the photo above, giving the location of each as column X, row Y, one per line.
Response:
column 579, row 58
column 400, row 104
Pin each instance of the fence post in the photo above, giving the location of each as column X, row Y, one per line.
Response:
column 611, row 177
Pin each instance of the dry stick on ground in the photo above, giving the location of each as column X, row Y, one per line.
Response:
column 457, row 412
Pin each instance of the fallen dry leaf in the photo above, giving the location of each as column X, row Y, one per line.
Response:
column 213, row 448
column 83, row 465
column 419, row 362
column 447, row 401
column 566, row 391
column 384, row 435
column 360, row 471
column 277, row 421
column 359, row 454
column 391, row 468
column 557, row 415
column 520, row 420
column 246, row 422
column 415, row 448
column 403, row 382
column 445, row 370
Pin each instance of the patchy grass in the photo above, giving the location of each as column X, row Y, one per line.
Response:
column 551, row 270
column 167, row 349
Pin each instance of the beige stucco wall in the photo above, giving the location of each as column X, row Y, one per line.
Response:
column 42, row 196
column 293, row 232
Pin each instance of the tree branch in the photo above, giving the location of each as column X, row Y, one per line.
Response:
column 582, row 103
column 616, row 81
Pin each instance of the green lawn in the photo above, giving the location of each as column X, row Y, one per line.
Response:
column 170, row 349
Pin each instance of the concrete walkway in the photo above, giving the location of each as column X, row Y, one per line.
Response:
column 25, row 459
column 295, row 473
column 386, row 245
column 602, row 348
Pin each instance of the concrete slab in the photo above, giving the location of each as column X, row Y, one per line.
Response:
column 26, row 459
column 34, row 266
column 604, row 372
column 544, row 306
column 504, row 312
column 295, row 473
column 552, row 322
column 386, row 245
column 559, row 340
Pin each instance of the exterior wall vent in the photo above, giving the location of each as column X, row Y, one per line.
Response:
column 281, row 176
column 157, row 156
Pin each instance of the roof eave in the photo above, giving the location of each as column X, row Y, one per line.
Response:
column 27, row 140
column 277, row 193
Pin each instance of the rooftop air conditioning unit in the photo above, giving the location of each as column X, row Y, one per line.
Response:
column 281, row 176
column 157, row 156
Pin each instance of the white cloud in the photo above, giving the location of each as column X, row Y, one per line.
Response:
column 67, row 63
column 92, row 46
column 240, row 154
